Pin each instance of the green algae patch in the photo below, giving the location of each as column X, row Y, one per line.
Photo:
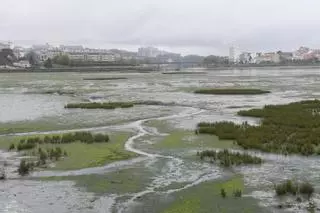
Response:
column 206, row 198
column 30, row 126
column 178, row 138
column 118, row 182
column 81, row 155
column 186, row 139
column 93, row 155
column 230, row 91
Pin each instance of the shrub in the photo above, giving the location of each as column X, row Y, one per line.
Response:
column 281, row 189
column 12, row 147
column 98, row 138
column 43, row 157
column 293, row 188
column 25, row 146
column 223, row 193
column 237, row 193
column 307, row 189
column 227, row 159
column 24, row 168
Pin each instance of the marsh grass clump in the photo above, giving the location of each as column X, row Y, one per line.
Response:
column 223, row 193
column 55, row 153
column 306, row 189
column 224, row 130
column 226, row 158
column 105, row 79
column 84, row 137
column 231, row 91
column 294, row 188
column 25, row 167
column 95, row 105
column 12, row 147
column 286, row 129
column 237, row 193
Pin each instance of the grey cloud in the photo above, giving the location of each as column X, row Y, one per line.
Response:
column 186, row 25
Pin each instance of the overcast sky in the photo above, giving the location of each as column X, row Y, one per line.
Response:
column 186, row 26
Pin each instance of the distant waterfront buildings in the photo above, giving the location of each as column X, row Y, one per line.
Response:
column 153, row 55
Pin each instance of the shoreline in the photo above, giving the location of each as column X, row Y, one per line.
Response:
column 132, row 69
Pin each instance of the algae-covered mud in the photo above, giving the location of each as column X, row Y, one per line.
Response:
column 150, row 163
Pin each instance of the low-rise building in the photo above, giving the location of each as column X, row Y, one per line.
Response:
column 22, row 64
column 91, row 56
column 4, row 46
column 148, row 52
column 74, row 56
column 71, row 48
column 267, row 58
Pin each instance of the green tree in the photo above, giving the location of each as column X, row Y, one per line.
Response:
column 61, row 59
column 64, row 60
column 32, row 58
column 48, row 63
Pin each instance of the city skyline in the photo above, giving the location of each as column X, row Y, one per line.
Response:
column 212, row 26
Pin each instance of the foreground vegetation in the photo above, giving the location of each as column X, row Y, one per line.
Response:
column 294, row 188
column 226, row 158
column 131, row 180
column 77, row 154
column 288, row 129
column 83, row 137
column 109, row 105
column 207, row 198
column 219, row 91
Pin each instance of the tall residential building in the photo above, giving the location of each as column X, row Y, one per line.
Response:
column 232, row 55
column 148, row 52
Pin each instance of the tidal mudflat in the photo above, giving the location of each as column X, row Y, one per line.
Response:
column 150, row 163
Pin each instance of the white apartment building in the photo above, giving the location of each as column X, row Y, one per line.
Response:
column 76, row 56
column 4, row 46
column 96, row 57
column 267, row 57
column 232, row 55
column 149, row 52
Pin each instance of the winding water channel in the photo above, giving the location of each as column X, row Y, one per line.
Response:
column 163, row 171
